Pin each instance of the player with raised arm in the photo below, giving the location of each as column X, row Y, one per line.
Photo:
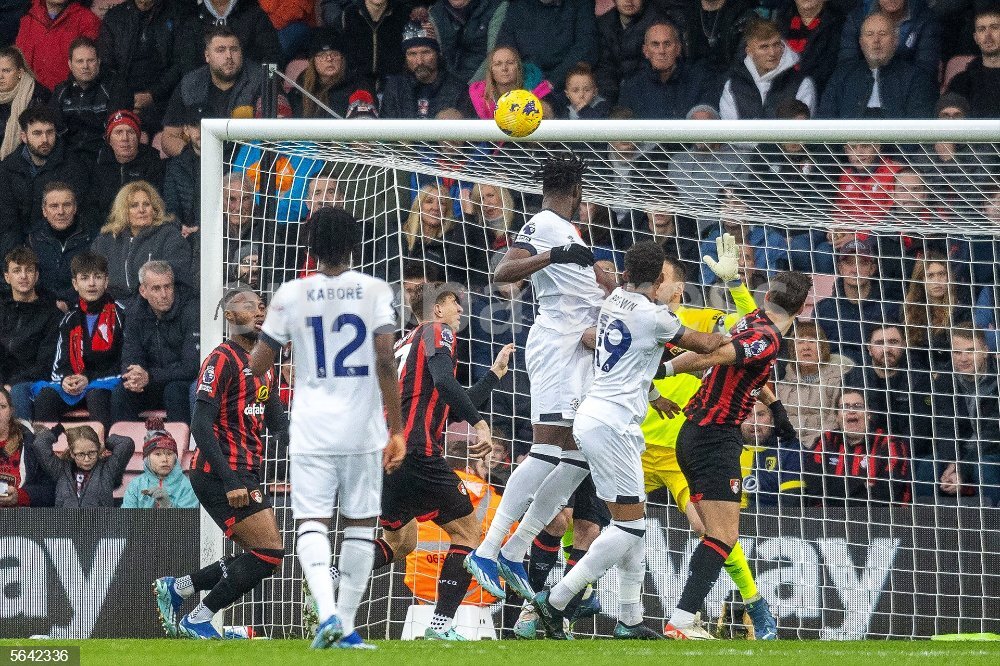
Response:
column 631, row 332
column 549, row 250
column 342, row 326
column 230, row 413
column 710, row 443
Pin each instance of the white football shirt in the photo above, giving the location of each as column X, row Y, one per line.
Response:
column 568, row 294
column 631, row 332
column 331, row 323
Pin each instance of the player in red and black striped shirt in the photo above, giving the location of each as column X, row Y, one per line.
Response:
column 709, row 443
column 228, row 423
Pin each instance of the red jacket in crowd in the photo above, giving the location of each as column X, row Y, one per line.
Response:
column 866, row 196
column 45, row 41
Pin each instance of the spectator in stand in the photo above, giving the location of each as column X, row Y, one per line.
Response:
column 967, row 420
column 980, row 80
column 293, row 20
column 149, row 44
column 29, row 328
column 18, row 91
column 777, row 463
column 373, row 34
column 898, row 386
column 248, row 235
column 160, row 356
column 583, row 100
column 162, row 484
column 664, row 86
column 224, row 85
column 140, row 230
column 856, row 463
column 661, row 226
column 934, row 304
column 490, row 217
column 11, row 12
column 856, row 301
column 916, row 26
column 182, row 181
column 715, row 31
column 62, row 237
column 767, row 76
column 812, row 29
column 879, row 80
column 467, row 31
column 46, row 32
column 25, row 172
column 327, row 77
column 622, row 33
column 505, row 71
column 84, row 100
column 553, row 35
column 595, row 227
column 84, row 476
column 88, row 354
column 36, row 488
column 426, row 88
column 811, row 381
column 770, row 246
column 247, row 21
column 123, row 160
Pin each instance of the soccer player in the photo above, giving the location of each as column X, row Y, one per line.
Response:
column 230, row 413
column 342, row 327
column 710, row 443
column 631, row 331
column 549, row 250
column 659, row 461
column 425, row 487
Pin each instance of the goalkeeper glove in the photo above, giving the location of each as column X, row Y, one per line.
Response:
column 783, row 427
column 727, row 268
column 573, row 253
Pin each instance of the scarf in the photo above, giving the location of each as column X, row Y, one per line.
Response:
column 18, row 98
column 103, row 337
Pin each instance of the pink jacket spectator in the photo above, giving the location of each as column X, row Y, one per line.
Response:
column 45, row 41
column 532, row 79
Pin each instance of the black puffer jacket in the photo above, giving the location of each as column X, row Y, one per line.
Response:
column 248, row 21
column 55, row 255
column 181, row 189
column 167, row 347
column 127, row 253
column 28, row 334
column 84, row 111
column 109, row 176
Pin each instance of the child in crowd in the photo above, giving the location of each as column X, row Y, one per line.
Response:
column 581, row 91
column 163, row 484
column 85, row 478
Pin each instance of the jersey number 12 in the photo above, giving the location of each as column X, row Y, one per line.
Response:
column 340, row 369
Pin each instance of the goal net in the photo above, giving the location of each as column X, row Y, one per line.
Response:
column 877, row 520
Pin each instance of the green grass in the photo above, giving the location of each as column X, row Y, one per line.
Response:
column 535, row 653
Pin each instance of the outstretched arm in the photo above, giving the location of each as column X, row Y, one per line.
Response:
column 693, row 362
column 521, row 260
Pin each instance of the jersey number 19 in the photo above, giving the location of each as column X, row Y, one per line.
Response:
column 613, row 340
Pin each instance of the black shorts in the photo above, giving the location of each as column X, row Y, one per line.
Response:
column 424, row 488
column 709, row 457
column 211, row 493
column 587, row 505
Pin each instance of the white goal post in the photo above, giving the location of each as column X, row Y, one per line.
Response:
column 908, row 544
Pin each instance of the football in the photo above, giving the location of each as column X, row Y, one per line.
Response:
column 518, row 113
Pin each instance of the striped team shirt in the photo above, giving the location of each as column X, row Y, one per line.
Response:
column 424, row 411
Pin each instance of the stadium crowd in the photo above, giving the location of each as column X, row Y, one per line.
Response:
column 891, row 381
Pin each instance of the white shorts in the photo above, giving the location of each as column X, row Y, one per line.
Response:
column 560, row 370
column 615, row 458
column 319, row 481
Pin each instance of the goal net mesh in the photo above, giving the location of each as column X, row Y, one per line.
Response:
column 876, row 521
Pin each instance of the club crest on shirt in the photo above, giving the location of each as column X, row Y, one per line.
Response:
column 256, row 496
column 734, row 485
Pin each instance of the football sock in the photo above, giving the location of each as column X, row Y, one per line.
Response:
column 441, row 623
column 631, row 574
column 453, row 583
column 242, row 575
column 544, row 553
column 575, row 555
column 313, row 550
column 521, row 487
column 551, row 497
column 357, row 552
column 203, row 579
column 739, row 570
column 184, row 587
column 606, row 551
column 201, row 614
column 384, row 554
column 706, row 563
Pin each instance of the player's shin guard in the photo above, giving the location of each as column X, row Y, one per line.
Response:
column 204, row 579
column 355, row 564
column 607, row 550
column 242, row 575
column 552, row 496
column 518, row 493
column 739, row 570
column 313, row 550
column 453, row 584
column 544, row 553
column 631, row 574
column 706, row 563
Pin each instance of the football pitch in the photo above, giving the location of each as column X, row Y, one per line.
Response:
column 164, row 652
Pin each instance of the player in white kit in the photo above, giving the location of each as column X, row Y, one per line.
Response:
column 632, row 330
column 342, row 326
column 550, row 251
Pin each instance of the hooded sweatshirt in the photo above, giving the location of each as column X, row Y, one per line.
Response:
column 176, row 486
column 748, row 94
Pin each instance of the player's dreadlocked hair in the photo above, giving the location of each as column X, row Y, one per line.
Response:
column 644, row 263
column 333, row 235
column 561, row 173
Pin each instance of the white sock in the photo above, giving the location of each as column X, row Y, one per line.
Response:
column 552, row 495
column 631, row 574
column 520, row 488
column 681, row 618
column 441, row 623
column 607, row 550
column 184, row 587
column 200, row 614
column 357, row 553
column 313, row 549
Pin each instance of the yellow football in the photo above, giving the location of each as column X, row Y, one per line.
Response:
column 518, row 113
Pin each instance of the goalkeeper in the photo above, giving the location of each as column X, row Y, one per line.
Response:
column 659, row 461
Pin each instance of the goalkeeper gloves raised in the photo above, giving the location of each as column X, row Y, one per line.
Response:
column 573, row 253
column 727, row 268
